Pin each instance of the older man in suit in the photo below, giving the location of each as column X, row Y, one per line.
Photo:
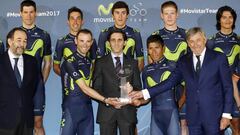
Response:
column 18, row 81
column 106, row 81
column 208, row 86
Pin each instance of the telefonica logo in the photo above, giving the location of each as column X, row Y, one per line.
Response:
column 103, row 10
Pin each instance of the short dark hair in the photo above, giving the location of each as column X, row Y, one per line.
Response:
column 155, row 39
column 169, row 4
column 10, row 34
column 28, row 3
column 75, row 9
column 220, row 13
column 116, row 31
column 85, row 31
column 120, row 4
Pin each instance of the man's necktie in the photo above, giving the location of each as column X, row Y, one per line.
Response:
column 17, row 73
column 198, row 65
column 118, row 65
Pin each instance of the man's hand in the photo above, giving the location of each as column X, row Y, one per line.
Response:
column 224, row 123
column 114, row 102
column 136, row 102
column 135, row 95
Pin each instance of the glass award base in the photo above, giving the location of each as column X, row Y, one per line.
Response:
column 125, row 100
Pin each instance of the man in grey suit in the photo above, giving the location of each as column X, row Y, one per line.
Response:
column 18, row 82
column 106, row 81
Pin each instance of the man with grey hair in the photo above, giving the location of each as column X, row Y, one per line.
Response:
column 208, row 86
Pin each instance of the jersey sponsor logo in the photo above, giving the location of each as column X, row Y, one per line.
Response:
column 87, row 79
column 151, row 82
column 165, row 75
column 137, row 13
column 67, row 52
column 37, row 46
column 103, row 10
column 130, row 45
column 231, row 56
column 75, row 74
column 71, row 59
column 175, row 54
column 63, row 122
column 128, row 48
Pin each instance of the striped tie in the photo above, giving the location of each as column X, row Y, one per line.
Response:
column 118, row 65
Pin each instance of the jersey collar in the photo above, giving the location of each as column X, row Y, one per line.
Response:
column 224, row 35
column 29, row 29
column 171, row 31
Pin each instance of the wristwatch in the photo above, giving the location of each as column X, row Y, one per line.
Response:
column 104, row 101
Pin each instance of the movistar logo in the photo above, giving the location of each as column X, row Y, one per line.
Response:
column 103, row 10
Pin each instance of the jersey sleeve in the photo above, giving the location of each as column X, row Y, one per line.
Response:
column 47, row 45
column 101, row 43
column 237, row 58
column 58, row 53
column 139, row 46
column 210, row 43
column 1, row 47
column 73, row 72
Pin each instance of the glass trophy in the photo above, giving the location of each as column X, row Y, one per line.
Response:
column 124, row 75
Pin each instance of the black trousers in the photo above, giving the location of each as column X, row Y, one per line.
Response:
column 110, row 127
column 20, row 129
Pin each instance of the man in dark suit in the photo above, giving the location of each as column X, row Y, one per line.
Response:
column 106, row 81
column 208, row 86
column 18, row 81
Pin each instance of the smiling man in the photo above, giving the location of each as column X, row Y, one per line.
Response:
column 106, row 81
column 18, row 86
column 159, row 70
column 228, row 42
column 208, row 86
column 66, row 45
column 76, row 75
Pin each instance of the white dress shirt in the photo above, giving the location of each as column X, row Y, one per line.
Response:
column 201, row 58
column 19, row 64
column 114, row 60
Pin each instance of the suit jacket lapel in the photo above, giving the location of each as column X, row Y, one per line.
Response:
column 10, row 69
column 26, row 70
column 125, row 61
column 191, row 65
column 205, row 63
column 111, row 67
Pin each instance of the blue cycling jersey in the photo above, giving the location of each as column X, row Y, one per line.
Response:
column 66, row 46
column 175, row 42
column 227, row 44
column 77, row 110
column 38, row 44
column 133, row 45
column 155, row 73
column 75, row 67
column 164, row 103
